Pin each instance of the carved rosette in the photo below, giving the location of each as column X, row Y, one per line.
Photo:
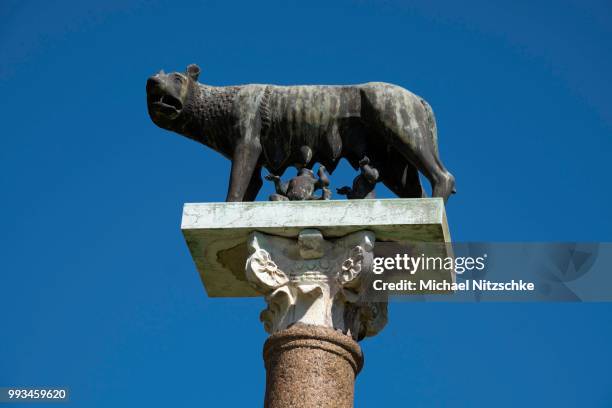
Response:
column 315, row 281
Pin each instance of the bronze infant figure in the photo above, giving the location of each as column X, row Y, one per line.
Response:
column 363, row 184
column 301, row 187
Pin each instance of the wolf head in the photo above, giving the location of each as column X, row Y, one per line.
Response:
column 168, row 94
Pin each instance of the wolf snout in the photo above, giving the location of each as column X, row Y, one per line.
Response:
column 154, row 84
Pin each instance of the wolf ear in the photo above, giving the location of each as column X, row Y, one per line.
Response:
column 193, row 71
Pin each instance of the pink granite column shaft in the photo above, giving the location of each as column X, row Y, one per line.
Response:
column 311, row 366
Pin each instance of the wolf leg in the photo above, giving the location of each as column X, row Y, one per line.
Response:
column 254, row 185
column 244, row 163
column 401, row 177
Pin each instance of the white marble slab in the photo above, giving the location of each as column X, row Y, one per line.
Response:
column 216, row 233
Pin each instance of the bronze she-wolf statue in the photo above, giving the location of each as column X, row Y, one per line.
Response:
column 277, row 127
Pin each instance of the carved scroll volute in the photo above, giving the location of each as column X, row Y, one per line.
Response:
column 362, row 318
column 359, row 262
column 267, row 278
column 261, row 271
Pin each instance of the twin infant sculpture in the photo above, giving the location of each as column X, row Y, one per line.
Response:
column 384, row 130
column 305, row 184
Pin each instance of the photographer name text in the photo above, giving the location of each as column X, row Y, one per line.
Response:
column 446, row 286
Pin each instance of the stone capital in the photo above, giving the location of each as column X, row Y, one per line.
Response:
column 315, row 281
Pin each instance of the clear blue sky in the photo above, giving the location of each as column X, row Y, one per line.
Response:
column 97, row 289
